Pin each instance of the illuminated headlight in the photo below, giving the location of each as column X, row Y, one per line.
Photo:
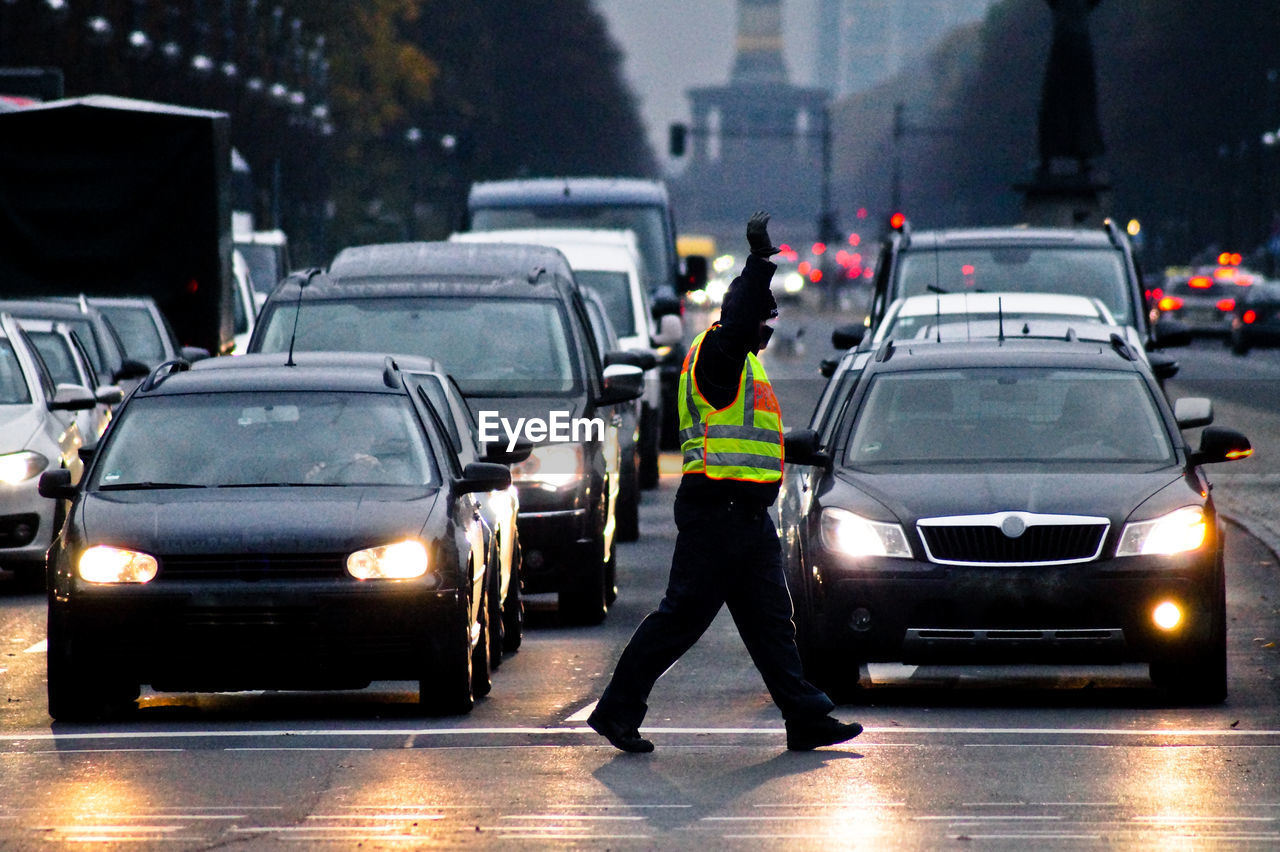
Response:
column 852, row 535
column 105, row 564
column 403, row 560
column 697, row 297
column 19, row 467
column 1176, row 532
column 793, row 282
column 716, row 290
column 552, row 467
column 503, row 503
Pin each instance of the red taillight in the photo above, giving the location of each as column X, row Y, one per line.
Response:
column 1169, row 303
column 1200, row 282
column 804, row 267
column 1249, row 317
column 967, row 269
column 815, row 275
column 1227, row 305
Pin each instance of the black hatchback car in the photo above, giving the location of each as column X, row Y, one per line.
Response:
column 319, row 535
column 1032, row 500
column 509, row 324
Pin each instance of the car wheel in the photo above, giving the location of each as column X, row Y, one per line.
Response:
column 28, row 576
column 1239, row 345
column 445, row 689
column 834, row 672
column 628, row 509
column 513, row 607
column 584, row 597
column 611, row 576
column 497, row 627
column 78, row 689
column 1200, row 678
column 481, row 659
column 648, row 448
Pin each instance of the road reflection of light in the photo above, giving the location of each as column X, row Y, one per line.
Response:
column 1171, row 790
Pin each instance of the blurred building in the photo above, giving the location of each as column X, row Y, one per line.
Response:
column 864, row 42
column 753, row 143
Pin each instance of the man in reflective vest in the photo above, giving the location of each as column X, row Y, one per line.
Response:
column 727, row 549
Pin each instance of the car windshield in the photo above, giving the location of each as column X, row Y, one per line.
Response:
column 1007, row 415
column 13, row 384
column 55, row 351
column 492, row 347
column 320, row 438
column 261, row 259
column 138, row 331
column 614, row 289
column 1098, row 273
column 648, row 222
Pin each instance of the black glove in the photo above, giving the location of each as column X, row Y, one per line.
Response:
column 758, row 235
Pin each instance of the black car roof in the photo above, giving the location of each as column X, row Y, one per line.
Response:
column 443, row 258
column 909, row 355
column 334, row 371
column 566, row 191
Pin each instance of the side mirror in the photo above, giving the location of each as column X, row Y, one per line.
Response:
column 847, row 336
column 641, row 358
column 1169, row 332
column 622, row 383
column 131, row 368
column 827, row 367
column 695, row 273
column 72, row 398
column 665, row 304
column 110, row 395
column 1193, row 411
column 193, row 353
column 56, row 484
column 483, row 476
column 497, row 452
column 800, row 446
column 1163, row 367
column 1219, row 445
column 670, row 330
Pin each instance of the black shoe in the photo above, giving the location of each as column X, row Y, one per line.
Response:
column 823, row 731
column 627, row 739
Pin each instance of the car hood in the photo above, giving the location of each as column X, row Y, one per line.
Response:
column 17, row 424
column 255, row 520
column 911, row 496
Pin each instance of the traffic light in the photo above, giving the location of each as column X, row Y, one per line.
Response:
column 679, row 135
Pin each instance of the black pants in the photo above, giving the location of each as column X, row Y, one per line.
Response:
column 726, row 553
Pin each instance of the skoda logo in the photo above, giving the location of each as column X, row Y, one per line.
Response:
column 1013, row 526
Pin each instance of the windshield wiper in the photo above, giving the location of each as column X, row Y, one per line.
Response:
column 142, row 486
column 279, row 485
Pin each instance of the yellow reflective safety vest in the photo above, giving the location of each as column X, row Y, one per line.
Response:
column 740, row 441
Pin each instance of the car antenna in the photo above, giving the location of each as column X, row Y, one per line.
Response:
column 1000, row 318
column 293, row 336
column 937, row 318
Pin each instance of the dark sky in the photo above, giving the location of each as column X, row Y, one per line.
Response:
column 672, row 45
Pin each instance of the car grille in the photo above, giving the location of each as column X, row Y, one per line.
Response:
column 1013, row 538
column 249, row 567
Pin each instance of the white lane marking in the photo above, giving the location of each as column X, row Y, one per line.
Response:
column 575, row 817
column 405, row 817
column 984, row 817
column 231, row 733
column 297, row 748
column 1174, row 819
column 1029, row 837
column 109, row 829
column 581, row 715
column 39, row 648
column 99, row 751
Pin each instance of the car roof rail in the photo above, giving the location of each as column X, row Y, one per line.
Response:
column 391, row 373
column 163, row 371
column 886, row 351
column 1122, row 348
column 1113, row 232
column 536, row 273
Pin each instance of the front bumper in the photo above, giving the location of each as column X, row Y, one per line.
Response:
column 256, row 635
column 26, row 523
column 1101, row 611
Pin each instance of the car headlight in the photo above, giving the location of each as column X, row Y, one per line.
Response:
column 19, row 467
column 105, row 564
column 552, row 466
column 403, row 560
column 852, row 535
column 793, row 283
column 1177, row 532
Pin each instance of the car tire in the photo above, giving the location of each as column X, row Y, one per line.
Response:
column 513, row 607
column 584, row 593
column 628, row 508
column 481, row 657
column 835, row 673
column 78, row 691
column 28, row 576
column 497, row 627
column 1199, row 678
column 649, row 449
column 1239, row 345
column 445, row 689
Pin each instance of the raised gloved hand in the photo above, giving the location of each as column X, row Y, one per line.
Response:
column 758, row 235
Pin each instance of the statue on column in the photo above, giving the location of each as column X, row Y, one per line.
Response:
column 1069, row 128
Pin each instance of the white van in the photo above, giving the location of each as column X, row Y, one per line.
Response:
column 608, row 263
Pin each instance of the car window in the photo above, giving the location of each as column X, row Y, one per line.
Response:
column 13, row 383
column 614, row 289
column 496, row 347
column 137, row 329
column 433, row 393
column 1098, row 273
column 55, row 351
column 1015, row 415
column 250, row 438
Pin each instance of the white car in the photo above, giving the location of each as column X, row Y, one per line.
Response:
column 68, row 363
column 38, row 432
column 607, row 262
column 246, row 301
column 915, row 316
